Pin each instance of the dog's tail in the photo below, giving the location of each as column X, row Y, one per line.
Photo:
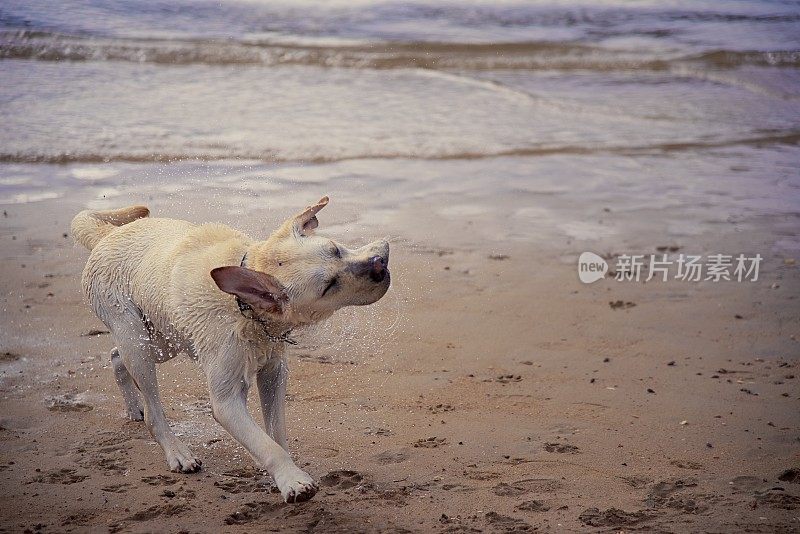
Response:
column 89, row 226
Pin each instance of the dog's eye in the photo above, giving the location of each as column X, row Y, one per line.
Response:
column 330, row 285
column 335, row 251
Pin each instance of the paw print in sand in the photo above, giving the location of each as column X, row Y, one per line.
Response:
column 341, row 479
column 430, row 443
column 440, row 408
column 505, row 379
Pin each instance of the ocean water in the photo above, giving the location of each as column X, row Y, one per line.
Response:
column 549, row 112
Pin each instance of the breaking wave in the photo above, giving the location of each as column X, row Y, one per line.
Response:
column 46, row 46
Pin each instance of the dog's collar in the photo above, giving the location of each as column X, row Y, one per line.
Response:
column 247, row 311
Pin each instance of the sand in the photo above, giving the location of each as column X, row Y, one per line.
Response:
column 489, row 391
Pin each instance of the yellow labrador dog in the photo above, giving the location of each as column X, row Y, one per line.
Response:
column 165, row 286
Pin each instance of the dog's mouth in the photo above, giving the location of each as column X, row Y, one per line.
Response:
column 331, row 285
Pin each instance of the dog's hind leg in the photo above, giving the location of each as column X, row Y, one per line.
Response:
column 130, row 393
column 135, row 350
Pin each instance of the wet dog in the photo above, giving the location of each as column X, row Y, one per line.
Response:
column 165, row 286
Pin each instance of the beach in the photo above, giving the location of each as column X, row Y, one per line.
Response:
column 490, row 390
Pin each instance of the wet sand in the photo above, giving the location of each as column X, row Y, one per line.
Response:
column 489, row 391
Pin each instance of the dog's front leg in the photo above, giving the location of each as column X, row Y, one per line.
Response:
column 229, row 405
column 272, row 392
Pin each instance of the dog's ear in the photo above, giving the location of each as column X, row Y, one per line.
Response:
column 303, row 223
column 306, row 221
column 260, row 290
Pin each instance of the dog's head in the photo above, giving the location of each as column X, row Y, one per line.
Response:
column 297, row 277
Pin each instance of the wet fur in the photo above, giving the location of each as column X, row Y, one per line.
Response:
column 150, row 281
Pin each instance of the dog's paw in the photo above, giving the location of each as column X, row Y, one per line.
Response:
column 183, row 461
column 295, row 485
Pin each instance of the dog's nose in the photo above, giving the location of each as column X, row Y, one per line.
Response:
column 377, row 269
column 377, row 265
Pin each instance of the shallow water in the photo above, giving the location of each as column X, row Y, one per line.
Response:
column 552, row 113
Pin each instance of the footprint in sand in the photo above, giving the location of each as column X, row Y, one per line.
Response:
column 563, row 448
column 613, row 517
column 509, row 490
column 505, row 523
column 765, row 493
column 661, row 490
column 341, row 479
column 313, row 358
column 94, row 333
column 325, row 452
column 323, row 359
column 528, row 485
column 107, row 451
column 532, row 506
column 377, row 431
column 668, row 494
column 115, row 465
column 67, row 403
column 392, row 457
column 790, row 475
column 242, row 485
column 61, row 476
column 252, row 511
column 245, row 480
column 346, row 479
column 181, row 493
column 637, row 482
column 117, row 488
column 244, row 472
column 148, row 514
column 458, row 488
column 78, row 519
column 746, row 484
column 621, row 305
column 430, row 443
column 776, row 499
column 160, row 510
column 159, row 480
column 440, row 408
column 481, row 475
column 9, row 357
column 686, row 464
column 505, row 379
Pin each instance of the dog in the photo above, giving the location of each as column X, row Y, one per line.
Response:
column 166, row 286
